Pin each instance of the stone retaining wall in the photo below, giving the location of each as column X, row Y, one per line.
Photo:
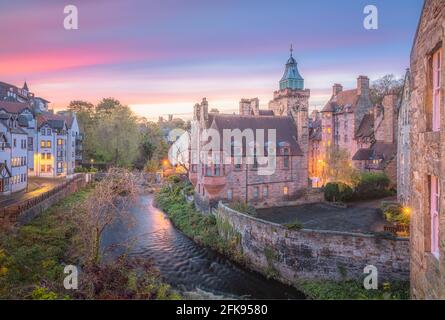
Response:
column 292, row 255
column 22, row 217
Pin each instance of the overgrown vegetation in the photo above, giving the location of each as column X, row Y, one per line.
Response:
column 33, row 257
column 398, row 215
column 369, row 185
column 351, row 289
column 242, row 207
column 294, row 225
column 202, row 228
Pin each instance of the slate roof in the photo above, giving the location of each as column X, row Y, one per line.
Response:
column 284, row 125
column 343, row 101
column 366, row 127
column 378, row 151
column 14, row 107
column 55, row 121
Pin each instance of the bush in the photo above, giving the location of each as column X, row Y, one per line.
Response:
column 338, row 191
column 394, row 213
column 295, row 225
column 372, row 185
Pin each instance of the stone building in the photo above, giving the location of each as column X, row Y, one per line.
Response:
column 241, row 181
column 314, row 152
column 377, row 139
column 427, row 160
column 403, row 161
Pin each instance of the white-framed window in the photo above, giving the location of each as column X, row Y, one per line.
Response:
column 434, row 212
column 437, row 62
column 229, row 194
column 256, row 192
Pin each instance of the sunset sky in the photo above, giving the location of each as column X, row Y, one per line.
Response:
column 161, row 57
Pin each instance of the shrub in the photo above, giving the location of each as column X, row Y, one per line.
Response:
column 242, row 207
column 394, row 213
column 372, row 185
column 295, row 225
column 338, row 191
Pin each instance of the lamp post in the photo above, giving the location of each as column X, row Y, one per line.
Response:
column 92, row 163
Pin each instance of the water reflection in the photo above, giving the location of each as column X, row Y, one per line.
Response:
column 198, row 271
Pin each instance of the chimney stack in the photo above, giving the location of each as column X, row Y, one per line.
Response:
column 336, row 88
column 362, row 85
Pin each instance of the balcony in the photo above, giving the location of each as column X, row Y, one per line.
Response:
column 214, row 184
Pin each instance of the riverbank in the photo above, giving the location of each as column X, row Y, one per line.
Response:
column 33, row 257
column 204, row 230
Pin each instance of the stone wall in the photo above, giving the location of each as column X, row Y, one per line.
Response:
column 15, row 217
column 427, row 149
column 313, row 254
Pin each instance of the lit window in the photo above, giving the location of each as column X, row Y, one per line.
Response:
column 285, row 191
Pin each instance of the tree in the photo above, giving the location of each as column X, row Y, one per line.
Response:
column 116, row 137
column 338, row 166
column 109, row 201
column 81, row 106
column 383, row 86
column 107, row 105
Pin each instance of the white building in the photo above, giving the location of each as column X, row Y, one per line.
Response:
column 35, row 143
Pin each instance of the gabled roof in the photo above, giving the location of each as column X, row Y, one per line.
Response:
column 284, row 126
column 378, row 151
column 4, row 167
column 14, row 107
column 315, row 130
column 343, row 99
column 366, row 127
column 55, row 121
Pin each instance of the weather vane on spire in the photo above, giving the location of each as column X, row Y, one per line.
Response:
column 291, row 49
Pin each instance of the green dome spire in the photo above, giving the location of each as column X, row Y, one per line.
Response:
column 291, row 78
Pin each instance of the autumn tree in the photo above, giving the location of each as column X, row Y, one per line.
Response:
column 108, row 202
column 338, row 166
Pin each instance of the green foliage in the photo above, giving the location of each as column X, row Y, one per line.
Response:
column 295, row 225
column 32, row 260
column 369, row 185
column 350, row 289
column 242, row 207
column 394, row 213
column 372, row 185
column 338, row 191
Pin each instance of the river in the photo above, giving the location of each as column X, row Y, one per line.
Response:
column 195, row 271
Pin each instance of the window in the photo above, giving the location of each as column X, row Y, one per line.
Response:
column 42, row 156
column 230, row 194
column 42, row 144
column 42, row 168
column 15, row 143
column 194, row 167
column 329, row 130
column 48, row 143
column 208, row 170
column 255, row 192
column 436, row 70
column 48, row 156
column 286, row 158
column 48, row 132
column 265, row 192
column 59, row 142
column 217, row 170
column 434, row 212
column 285, row 191
column 30, row 144
column 42, row 131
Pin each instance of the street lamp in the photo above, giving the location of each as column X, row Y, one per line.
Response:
column 92, row 163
